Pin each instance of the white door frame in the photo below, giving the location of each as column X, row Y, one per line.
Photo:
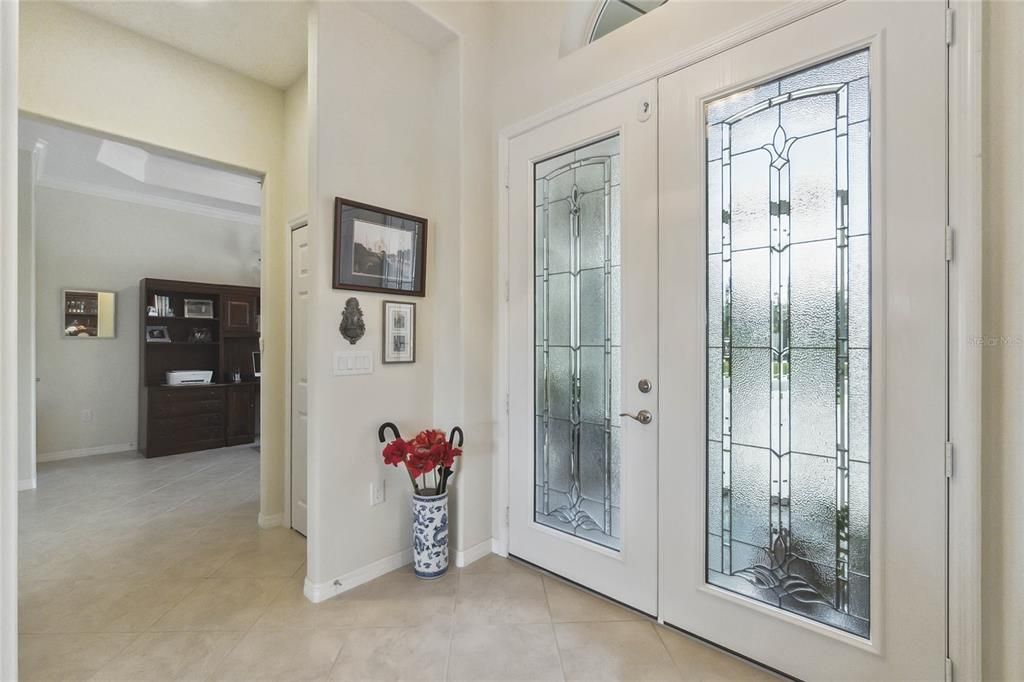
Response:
column 9, row 340
column 965, row 291
column 286, row 520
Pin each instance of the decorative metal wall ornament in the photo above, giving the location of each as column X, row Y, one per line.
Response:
column 352, row 326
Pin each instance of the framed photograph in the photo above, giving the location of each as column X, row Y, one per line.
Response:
column 378, row 250
column 399, row 332
column 199, row 308
column 156, row 334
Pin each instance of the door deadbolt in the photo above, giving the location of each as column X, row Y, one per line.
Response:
column 645, row 386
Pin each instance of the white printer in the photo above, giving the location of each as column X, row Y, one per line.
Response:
column 181, row 377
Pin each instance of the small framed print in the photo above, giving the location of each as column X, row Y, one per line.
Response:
column 200, row 308
column 399, row 332
column 376, row 249
column 155, row 334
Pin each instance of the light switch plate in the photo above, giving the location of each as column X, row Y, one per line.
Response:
column 348, row 363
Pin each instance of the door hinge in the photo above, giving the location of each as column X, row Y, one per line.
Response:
column 508, row 401
column 508, row 291
column 508, row 516
column 950, row 12
column 949, row 243
column 949, row 669
column 949, row 460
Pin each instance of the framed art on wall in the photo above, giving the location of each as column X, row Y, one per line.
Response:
column 376, row 249
column 399, row 332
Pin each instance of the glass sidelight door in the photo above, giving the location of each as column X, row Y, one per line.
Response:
column 583, row 290
column 810, row 481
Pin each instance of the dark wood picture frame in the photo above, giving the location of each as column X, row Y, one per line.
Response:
column 386, row 336
column 344, row 276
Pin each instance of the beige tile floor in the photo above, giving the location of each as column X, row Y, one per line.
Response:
column 135, row 569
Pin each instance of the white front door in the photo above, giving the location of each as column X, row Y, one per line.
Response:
column 300, row 303
column 802, row 213
column 583, row 347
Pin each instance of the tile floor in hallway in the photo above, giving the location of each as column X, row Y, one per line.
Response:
column 135, row 569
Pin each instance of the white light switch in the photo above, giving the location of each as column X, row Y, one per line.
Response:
column 347, row 363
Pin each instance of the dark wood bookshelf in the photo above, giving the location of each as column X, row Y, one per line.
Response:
column 186, row 418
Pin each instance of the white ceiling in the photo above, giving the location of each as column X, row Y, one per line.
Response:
column 78, row 161
column 265, row 40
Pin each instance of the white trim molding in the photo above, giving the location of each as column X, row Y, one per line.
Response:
column 269, row 520
column 27, row 484
column 86, row 452
column 318, row 592
column 8, row 341
column 965, row 327
column 91, row 189
column 477, row 551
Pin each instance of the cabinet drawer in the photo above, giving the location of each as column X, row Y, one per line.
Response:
column 169, row 410
column 185, row 436
column 186, row 394
column 174, row 425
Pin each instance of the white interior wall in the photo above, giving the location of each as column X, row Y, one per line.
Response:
column 296, row 148
column 1003, row 360
column 96, row 243
column 26, row 338
column 375, row 142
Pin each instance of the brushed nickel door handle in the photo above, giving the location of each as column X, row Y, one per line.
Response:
column 643, row 416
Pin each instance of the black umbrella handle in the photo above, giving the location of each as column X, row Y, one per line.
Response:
column 456, row 431
column 384, row 427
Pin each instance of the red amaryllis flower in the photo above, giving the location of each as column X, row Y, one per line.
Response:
column 396, row 451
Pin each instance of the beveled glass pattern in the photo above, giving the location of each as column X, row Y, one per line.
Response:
column 578, row 352
column 788, row 343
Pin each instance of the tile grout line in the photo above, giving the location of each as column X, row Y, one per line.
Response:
column 554, row 632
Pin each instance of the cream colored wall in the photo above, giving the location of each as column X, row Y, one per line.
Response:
column 296, row 148
column 1003, row 360
column 373, row 108
column 529, row 75
column 80, row 70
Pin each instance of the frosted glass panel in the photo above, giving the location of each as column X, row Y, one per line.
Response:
column 576, row 316
column 789, row 343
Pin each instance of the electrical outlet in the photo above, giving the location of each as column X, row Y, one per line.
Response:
column 377, row 492
column 88, row 416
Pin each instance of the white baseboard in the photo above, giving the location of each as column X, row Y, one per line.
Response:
column 477, row 551
column 499, row 547
column 318, row 592
column 27, row 484
column 85, row 452
column 269, row 520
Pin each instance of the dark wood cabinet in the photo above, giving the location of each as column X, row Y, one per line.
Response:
column 240, row 414
column 174, row 419
column 239, row 313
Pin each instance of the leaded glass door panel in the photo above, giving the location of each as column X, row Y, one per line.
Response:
column 583, row 295
column 802, row 367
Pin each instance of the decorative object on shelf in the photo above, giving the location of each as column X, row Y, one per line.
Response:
column 429, row 459
column 376, row 249
column 163, row 306
column 200, row 335
column 157, row 334
column 151, row 311
column 352, row 326
column 236, row 376
column 399, row 337
column 198, row 307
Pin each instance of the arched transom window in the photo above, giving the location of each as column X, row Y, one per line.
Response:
column 616, row 13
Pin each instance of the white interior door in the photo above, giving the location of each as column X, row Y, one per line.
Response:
column 583, row 305
column 802, row 189
column 300, row 304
